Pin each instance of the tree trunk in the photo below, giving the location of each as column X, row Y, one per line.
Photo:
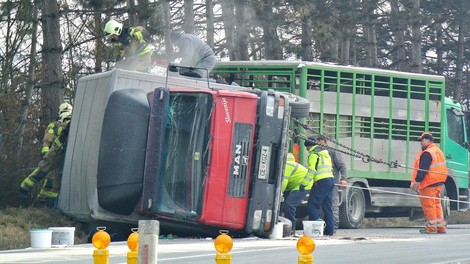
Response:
column 143, row 13
column 98, row 42
column 30, row 82
column 241, row 39
column 460, row 54
column 188, row 16
column 399, row 56
column 416, row 64
column 306, row 38
column 228, row 16
column 272, row 44
column 370, row 34
column 439, row 48
column 52, row 86
column 167, row 29
column 210, row 23
column 131, row 12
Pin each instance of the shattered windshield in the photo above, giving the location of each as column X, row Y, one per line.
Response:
column 185, row 156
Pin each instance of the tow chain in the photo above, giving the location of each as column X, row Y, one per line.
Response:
column 352, row 152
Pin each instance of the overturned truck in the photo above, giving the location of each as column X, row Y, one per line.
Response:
column 187, row 152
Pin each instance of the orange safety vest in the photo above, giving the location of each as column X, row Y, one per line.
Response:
column 437, row 171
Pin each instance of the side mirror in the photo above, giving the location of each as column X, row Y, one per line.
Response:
column 466, row 145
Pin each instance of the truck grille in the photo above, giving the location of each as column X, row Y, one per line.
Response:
column 241, row 146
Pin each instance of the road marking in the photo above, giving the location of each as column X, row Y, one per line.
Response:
column 213, row 254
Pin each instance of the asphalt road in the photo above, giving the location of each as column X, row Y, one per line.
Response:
column 365, row 246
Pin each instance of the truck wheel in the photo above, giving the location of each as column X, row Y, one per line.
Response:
column 352, row 211
column 445, row 202
column 300, row 107
column 286, row 226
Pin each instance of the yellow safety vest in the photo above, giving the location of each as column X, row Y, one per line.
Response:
column 319, row 165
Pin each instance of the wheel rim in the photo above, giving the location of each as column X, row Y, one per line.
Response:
column 354, row 207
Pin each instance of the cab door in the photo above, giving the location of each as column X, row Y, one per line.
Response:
column 455, row 147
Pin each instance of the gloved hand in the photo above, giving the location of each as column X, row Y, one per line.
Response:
column 282, row 197
column 23, row 195
column 415, row 186
column 301, row 188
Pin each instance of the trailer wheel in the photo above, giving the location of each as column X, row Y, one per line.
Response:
column 300, row 107
column 445, row 202
column 352, row 211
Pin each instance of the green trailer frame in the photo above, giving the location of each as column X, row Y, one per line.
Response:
column 379, row 112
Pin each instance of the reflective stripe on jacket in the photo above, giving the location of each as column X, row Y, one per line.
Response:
column 294, row 174
column 437, row 171
column 49, row 137
column 319, row 165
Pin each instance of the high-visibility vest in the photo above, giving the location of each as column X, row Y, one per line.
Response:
column 294, row 174
column 319, row 165
column 438, row 169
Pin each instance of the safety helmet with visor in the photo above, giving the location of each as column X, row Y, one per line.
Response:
column 65, row 107
column 112, row 30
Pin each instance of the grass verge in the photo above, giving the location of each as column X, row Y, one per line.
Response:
column 15, row 224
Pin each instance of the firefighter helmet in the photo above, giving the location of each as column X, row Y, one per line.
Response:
column 112, row 27
column 65, row 117
column 65, row 107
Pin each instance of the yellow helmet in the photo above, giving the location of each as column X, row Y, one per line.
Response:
column 65, row 107
column 65, row 117
column 112, row 27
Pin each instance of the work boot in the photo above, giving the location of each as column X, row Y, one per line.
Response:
column 425, row 231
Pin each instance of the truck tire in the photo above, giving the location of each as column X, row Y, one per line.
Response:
column 300, row 107
column 445, row 202
column 352, row 211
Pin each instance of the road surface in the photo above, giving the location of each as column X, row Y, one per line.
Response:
column 365, row 246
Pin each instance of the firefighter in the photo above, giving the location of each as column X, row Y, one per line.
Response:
column 293, row 190
column 429, row 174
column 193, row 53
column 48, row 191
column 49, row 135
column 52, row 161
column 320, row 173
column 131, row 48
column 341, row 178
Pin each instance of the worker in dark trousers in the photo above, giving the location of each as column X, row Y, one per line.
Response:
column 340, row 173
column 320, row 173
column 292, row 189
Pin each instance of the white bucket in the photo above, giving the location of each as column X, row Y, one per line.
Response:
column 313, row 228
column 63, row 235
column 41, row 238
column 277, row 231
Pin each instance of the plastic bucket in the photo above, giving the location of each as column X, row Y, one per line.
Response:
column 313, row 228
column 41, row 238
column 63, row 235
column 277, row 231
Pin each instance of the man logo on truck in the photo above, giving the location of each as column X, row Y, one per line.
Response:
column 239, row 160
